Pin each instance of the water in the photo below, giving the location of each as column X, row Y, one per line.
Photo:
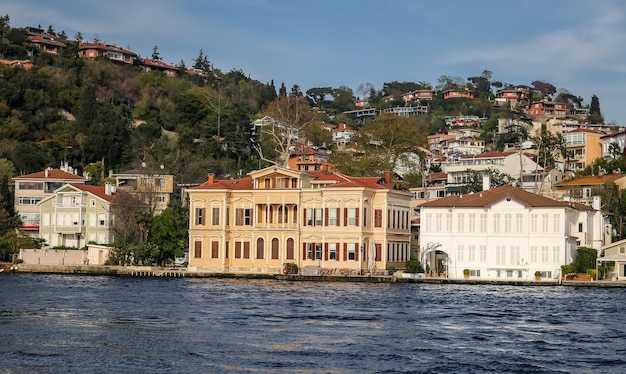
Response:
column 83, row 324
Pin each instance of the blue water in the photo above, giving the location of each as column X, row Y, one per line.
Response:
column 84, row 324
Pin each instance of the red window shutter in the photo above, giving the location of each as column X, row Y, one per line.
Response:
column 345, row 216
column 226, row 254
column 356, row 217
column 356, row 252
column 378, row 251
column 304, row 217
column 325, row 216
column 338, row 249
column 197, row 249
column 345, row 251
column 246, row 249
column 325, row 251
column 215, row 249
column 338, row 220
column 364, row 217
column 304, row 251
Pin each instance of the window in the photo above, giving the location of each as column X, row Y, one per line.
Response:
column 533, row 222
column 159, row 182
column 351, row 251
column 556, row 218
column 243, row 216
column 92, row 202
column 472, row 253
column 544, row 223
column 290, row 249
column 472, row 222
column 246, row 249
column 500, row 255
column 259, row 248
column 275, row 252
column 318, row 216
column 544, row 254
column 352, row 217
column 533, row 254
column 483, row 222
column 215, row 216
column 474, row 273
column 580, row 227
column 441, row 193
column 29, row 200
column 507, row 222
column 215, row 249
column 496, row 222
column 30, row 186
column 237, row 249
column 199, row 216
column 378, row 218
column 318, row 251
column 332, row 251
column 197, row 249
column 461, row 223
column 333, row 219
column 483, row 253
column 461, row 253
column 518, row 222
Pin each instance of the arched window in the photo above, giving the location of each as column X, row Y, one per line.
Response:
column 259, row 248
column 290, row 249
column 275, row 252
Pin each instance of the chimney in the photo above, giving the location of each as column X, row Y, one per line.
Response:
column 388, row 176
column 486, row 183
column 596, row 203
column 107, row 189
column 211, row 178
column 45, row 173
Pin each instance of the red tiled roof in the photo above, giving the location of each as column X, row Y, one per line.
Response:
column 487, row 198
column 437, row 176
column 94, row 190
column 52, row 174
column 228, row 184
column 580, row 129
column 589, row 180
column 492, row 154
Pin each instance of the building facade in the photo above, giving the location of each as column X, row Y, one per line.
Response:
column 30, row 189
column 506, row 233
column 77, row 214
column 326, row 222
column 153, row 188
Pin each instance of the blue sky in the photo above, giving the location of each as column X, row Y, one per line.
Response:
column 578, row 45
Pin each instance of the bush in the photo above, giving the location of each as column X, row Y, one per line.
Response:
column 414, row 266
column 466, row 272
column 568, row 269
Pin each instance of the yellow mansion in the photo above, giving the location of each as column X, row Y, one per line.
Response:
column 324, row 222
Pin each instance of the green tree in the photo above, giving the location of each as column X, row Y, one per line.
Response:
column 291, row 114
column 585, row 259
column 595, row 116
column 170, row 237
column 475, row 180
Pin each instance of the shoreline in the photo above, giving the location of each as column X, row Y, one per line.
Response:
column 160, row 272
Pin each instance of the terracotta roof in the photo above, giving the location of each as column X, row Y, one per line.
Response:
column 580, row 129
column 489, row 155
column 487, row 198
column 589, row 180
column 98, row 191
column 341, row 181
column 52, row 174
column 437, row 176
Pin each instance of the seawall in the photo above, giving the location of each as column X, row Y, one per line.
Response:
column 151, row 271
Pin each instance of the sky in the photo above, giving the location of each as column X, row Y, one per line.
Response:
column 576, row 45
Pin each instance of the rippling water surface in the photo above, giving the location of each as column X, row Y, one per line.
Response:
column 82, row 324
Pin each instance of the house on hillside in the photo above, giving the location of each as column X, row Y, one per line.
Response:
column 159, row 66
column 583, row 147
column 46, row 42
column 155, row 188
column 515, row 164
column 77, row 214
column 305, row 158
column 613, row 144
column 582, row 189
column 31, row 189
column 110, row 51
column 325, row 222
column 506, row 233
column 547, row 108
column 458, row 94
